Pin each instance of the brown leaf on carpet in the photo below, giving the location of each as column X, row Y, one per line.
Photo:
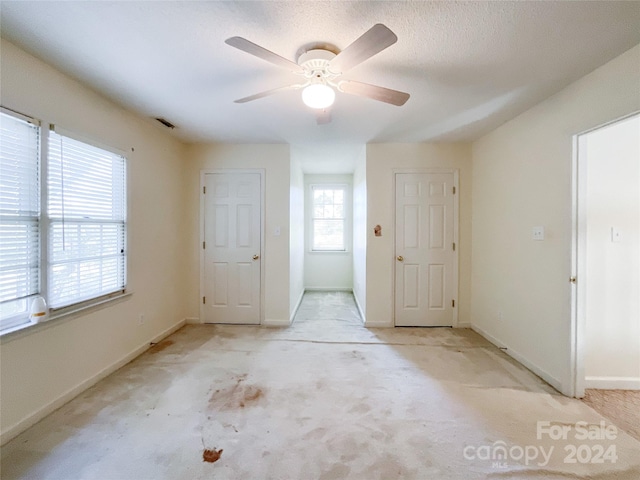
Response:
column 211, row 456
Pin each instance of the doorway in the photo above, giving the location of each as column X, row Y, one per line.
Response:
column 426, row 280
column 606, row 257
column 231, row 225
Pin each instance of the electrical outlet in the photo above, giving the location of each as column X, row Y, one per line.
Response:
column 141, row 319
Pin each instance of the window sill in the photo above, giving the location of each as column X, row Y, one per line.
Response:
column 25, row 329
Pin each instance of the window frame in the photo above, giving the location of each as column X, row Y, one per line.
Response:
column 346, row 188
column 82, row 304
column 86, row 305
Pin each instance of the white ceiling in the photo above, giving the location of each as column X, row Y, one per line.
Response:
column 469, row 66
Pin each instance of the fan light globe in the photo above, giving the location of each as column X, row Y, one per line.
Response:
column 318, row 95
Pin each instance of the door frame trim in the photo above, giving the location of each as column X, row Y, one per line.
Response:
column 456, row 239
column 208, row 171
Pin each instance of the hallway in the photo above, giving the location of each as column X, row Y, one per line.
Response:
column 324, row 399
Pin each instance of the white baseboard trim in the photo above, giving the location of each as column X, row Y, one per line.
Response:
column 378, row 325
column 276, row 322
column 192, row 321
column 463, row 325
column 327, row 289
column 70, row 394
column 612, row 383
column 551, row 380
column 295, row 310
column 359, row 307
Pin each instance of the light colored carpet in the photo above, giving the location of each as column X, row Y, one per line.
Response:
column 621, row 407
column 324, row 399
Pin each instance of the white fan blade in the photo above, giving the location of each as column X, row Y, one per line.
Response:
column 323, row 116
column 373, row 41
column 394, row 97
column 266, row 93
column 260, row 52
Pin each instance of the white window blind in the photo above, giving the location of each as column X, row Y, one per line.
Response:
column 19, row 218
column 87, row 215
column 328, row 218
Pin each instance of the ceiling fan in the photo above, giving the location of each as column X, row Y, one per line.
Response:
column 321, row 70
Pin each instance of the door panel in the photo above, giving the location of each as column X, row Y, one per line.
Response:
column 232, row 227
column 425, row 256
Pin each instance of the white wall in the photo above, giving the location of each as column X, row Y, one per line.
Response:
column 521, row 179
column 612, row 162
column 275, row 159
column 328, row 270
column 296, row 237
column 360, row 231
column 382, row 159
column 46, row 366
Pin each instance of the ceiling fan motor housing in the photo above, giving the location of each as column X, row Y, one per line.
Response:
column 316, row 62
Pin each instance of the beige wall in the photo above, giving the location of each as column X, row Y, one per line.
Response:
column 46, row 365
column 275, row 160
column 296, row 237
column 360, row 231
column 382, row 160
column 521, row 179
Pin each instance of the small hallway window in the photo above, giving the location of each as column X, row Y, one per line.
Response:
column 328, row 218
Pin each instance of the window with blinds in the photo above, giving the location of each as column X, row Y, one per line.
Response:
column 87, row 221
column 328, row 218
column 19, row 218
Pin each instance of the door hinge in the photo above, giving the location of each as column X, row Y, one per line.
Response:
column 453, row 303
column 204, row 189
column 204, row 244
column 454, row 246
column 454, row 190
column 204, row 300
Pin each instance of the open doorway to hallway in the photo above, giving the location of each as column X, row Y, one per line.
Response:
column 607, row 257
column 328, row 310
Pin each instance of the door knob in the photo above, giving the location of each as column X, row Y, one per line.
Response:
column 255, row 257
column 400, row 258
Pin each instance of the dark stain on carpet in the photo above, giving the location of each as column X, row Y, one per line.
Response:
column 238, row 395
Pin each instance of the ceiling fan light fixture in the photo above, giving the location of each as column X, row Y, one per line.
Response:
column 318, row 95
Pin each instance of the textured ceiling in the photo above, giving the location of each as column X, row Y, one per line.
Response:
column 469, row 66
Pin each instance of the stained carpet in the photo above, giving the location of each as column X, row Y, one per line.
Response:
column 324, row 399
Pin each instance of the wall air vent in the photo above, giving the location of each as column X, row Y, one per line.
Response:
column 166, row 123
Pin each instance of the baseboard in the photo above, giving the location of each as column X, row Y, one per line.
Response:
column 328, row 289
column 612, row 383
column 295, row 310
column 463, row 325
column 378, row 324
column 192, row 321
column 276, row 322
column 70, row 394
column 551, row 380
column 359, row 307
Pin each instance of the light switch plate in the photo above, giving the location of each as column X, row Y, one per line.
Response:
column 537, row 233
column 615, row 235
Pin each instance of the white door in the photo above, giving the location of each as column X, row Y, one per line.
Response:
column 425, row 250
column 232, row 226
